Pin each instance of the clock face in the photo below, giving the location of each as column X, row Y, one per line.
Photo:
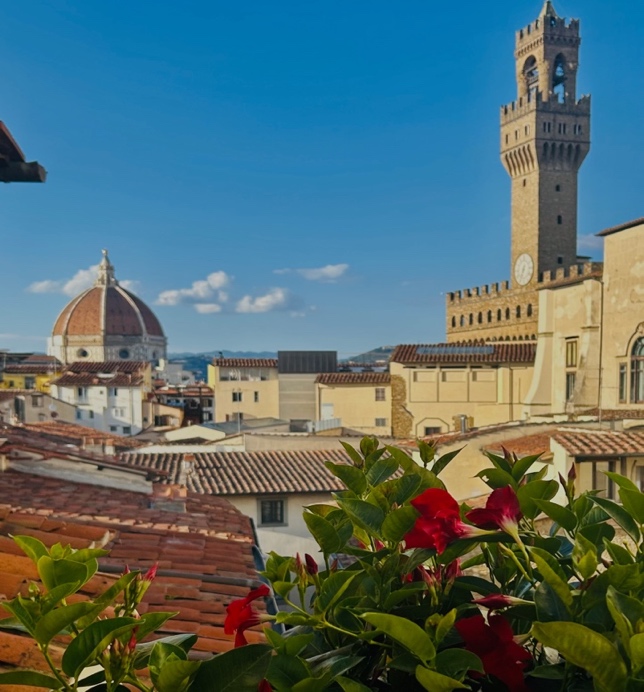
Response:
column 523, row 268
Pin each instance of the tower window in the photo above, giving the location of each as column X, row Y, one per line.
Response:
column 507, row 139
column 559, row 80
column 560, row 260
column 480, row 318
column 557, row 188
column 527, row 129
column 560, row 219
column 453, row 321
column 528, row 311
column 471, row 318
column 562, row 128
column 489, row 315
column 525, row 182
column 507, row 313
column 637, row 372
column 498, row 315
column 531, row 76
column 547, row 127
column 518, row 311
column 462, row 320
column 516, row 134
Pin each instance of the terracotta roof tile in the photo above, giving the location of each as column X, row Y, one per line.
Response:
column 71, row 433
column 249, row 473
column 245, row 362
column 463, row 353
column 622, row 227
column 527, row 445
column 605, row 443
column 347, row 378
column 616, row 413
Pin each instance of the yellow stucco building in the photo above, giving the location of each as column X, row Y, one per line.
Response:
column 35, row 372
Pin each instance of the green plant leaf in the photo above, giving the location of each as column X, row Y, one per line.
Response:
column 59, row 619
column 535, row 490
column 351, row 476
column 497, row 478
column 587, row 649
column 151, row 622
column 29, row 677
column 364, row 514
column 621, row 481
column 636, row 646
column 84, row 648
column 404, row 488
column 499, row 462
column 353, row 453
column 55, row 572
column 444, row 460
column 633, row 501
column 108, row 597
column 522, row 466
column 561, row 515
column 381, row 470
column 349, row 685
column 332, row 589
column 405, row 632
column 549, row 607
column 32, row 547
column 619, row 515
column 286, row 671
column 175, row 675
column 552, row 574
column 618, row 553
column 456, row 662
column 398, row 523
column 445, row 625
column 403, row 459
column 324, row 533
column 435, row 682
column 237, row 670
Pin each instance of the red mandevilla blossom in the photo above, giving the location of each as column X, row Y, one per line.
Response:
column 311, row 564
column 241, row 614
column 439, row 523
column 264, row 686
column 501, row 511
column 498, row 601
column 494, row 644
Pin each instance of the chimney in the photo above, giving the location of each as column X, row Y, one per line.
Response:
column 169, row 497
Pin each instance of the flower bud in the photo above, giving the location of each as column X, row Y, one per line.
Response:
column 311, row 564
column 151, row 573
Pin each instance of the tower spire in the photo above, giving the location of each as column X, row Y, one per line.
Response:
column 105, row 276
column 548, row 10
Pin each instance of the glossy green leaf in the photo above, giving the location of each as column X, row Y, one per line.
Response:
column 442, row 461
column 535, row 490
column 83, row 649
column 445, row 625
column 364, row 514
column 108, row 597
column 456, row 662
column 618, row 553
column 381, row 470
column 175, row 675
column 404, row 489
column 636, row 646
column 620, row 516
column 349, row 685
column 561, row 515
column 237, row 670
column 30, row 677
column 435, row 682
column 351, row 476
column 324, row 533
column 286, row 671
column 332, row 589
column 633, row 501
column 353, row 453
column 552, row 574
column 584, row 557
column 587, row 649
column 549, row 607
column 621, row 481
column 499, row 462
column 151, row 622
column 398, row 522
column 403, row 459
column 522, row 466
column 32, row 547
column 497, row 478
column 59, row 619
column 405, row 632
column 54, row 573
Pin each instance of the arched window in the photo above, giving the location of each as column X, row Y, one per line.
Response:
column 528, row 310
column 489, row 315
column 531, row 76
column 462, row 320
column 637, row 372
column 480, row 318
column 559, row 79
column 471, row 318
column 507, row 313
column 453, row 321
column 498, row 315
column 518, row 311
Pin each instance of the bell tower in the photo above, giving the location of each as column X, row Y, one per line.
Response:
column 545, row 137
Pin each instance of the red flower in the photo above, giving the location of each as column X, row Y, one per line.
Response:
column 241, row 614
column 494, row 644
column 498, row 601
column 311, row 564
column 264, row 686
column 439, row 523
column 501, row 511
column 151, row 573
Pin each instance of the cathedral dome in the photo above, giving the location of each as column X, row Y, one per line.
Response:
column 107, row 322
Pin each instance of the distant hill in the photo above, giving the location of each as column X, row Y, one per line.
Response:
column 198, row 362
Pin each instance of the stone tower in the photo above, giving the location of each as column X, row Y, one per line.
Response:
column 545, row 136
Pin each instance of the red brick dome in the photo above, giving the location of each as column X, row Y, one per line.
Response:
column 107, row 309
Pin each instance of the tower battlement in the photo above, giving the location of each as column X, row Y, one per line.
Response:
column 531, row 103
column 468, row 296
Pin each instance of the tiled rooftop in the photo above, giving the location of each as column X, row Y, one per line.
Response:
column 345, row 378
column 622, row 227
column 245, row 362
column 615, row 413
column 527, row 445
column 79, row 435
column 205, row 554
column 582, row 443
column 249, row 473
column 30, row 368
column 496, row 353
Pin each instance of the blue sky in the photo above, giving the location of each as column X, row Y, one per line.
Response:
column 285, row 175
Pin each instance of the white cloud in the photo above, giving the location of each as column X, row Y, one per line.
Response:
column 328, row 273
column 199, row 291
column 275, row 299
column 207, row 308
column 81, row 281
column 590, row 242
